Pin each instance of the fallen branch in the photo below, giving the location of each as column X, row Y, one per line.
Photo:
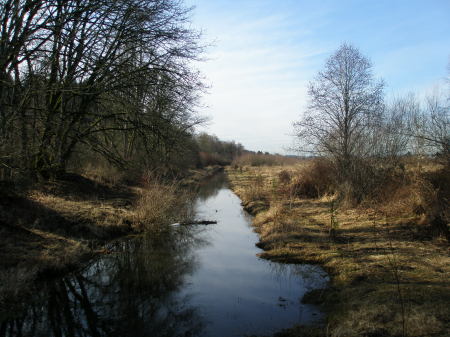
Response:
column 202, row 222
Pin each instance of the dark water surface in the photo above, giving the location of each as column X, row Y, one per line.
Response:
column 187, row 281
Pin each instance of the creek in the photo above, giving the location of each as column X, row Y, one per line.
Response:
column 186, row 281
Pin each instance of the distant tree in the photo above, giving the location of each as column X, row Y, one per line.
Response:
column 420, row 127
column 429, row 127
column 215, row 151
column 393, row 139
column 345, row 106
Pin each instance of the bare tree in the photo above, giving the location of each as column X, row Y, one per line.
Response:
column 429, row 127
column 395, row 138
column 345, row 104
column 22, row 33
column 110, row 77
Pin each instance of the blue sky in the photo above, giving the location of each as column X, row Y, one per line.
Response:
column 264, row 52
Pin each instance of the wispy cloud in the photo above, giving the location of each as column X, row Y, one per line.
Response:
column 257, row 71
column 266, row 51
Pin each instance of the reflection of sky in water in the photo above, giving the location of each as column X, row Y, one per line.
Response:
column 237, row 292
column 187, row 281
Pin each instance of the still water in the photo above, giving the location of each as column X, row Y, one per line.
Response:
column 187, row 281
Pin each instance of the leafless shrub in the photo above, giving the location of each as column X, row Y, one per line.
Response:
column 160, row 202
column 284, row 177
column 315, row 179
column 430, row 127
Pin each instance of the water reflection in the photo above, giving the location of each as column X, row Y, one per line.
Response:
column 310, row 276
column 134, row 291
column 186, row 281
column 211, row 187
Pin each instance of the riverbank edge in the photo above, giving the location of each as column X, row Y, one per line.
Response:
column 255, row 207
column 337, row 300
column 52, row 228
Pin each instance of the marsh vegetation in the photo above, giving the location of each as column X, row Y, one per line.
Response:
column 175, row 281
column 98, row 140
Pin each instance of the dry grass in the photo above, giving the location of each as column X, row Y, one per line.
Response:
column 389, row 271
column 160, row 203
column 154, row 205
column 54, row 227
column 104, row 173
column 260, row 159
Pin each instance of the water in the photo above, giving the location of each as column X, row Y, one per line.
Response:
column 187, row 281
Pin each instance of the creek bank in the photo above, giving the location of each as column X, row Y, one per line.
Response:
column 253, row 207
column 182, row 281
column 198, row 176
column 54, row 227
column 387, row 275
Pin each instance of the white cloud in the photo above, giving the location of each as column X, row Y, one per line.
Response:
column 258, row 82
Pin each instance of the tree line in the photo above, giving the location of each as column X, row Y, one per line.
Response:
column 213, row 151
column 87, row 79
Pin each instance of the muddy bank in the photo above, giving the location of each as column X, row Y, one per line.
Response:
column 389, row 274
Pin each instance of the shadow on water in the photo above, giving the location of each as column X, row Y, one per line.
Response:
column 186, row 281
column 133, row 291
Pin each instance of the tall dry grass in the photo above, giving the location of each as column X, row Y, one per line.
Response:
column 313, row 180
column 255, row 159
column 161, row 202
column 388, row 269
column 410, row 188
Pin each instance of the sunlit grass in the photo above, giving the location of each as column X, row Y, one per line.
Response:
column 386, row 270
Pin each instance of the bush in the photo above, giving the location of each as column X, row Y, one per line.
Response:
column 160, row 203
column 284, row 177
column 368, row 180
column 314, row 180
column 425, row 194
column 434, row 199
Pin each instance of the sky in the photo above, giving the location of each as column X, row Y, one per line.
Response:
column 263, row 53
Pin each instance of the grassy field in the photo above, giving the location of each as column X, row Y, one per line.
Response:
column 389, row 269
